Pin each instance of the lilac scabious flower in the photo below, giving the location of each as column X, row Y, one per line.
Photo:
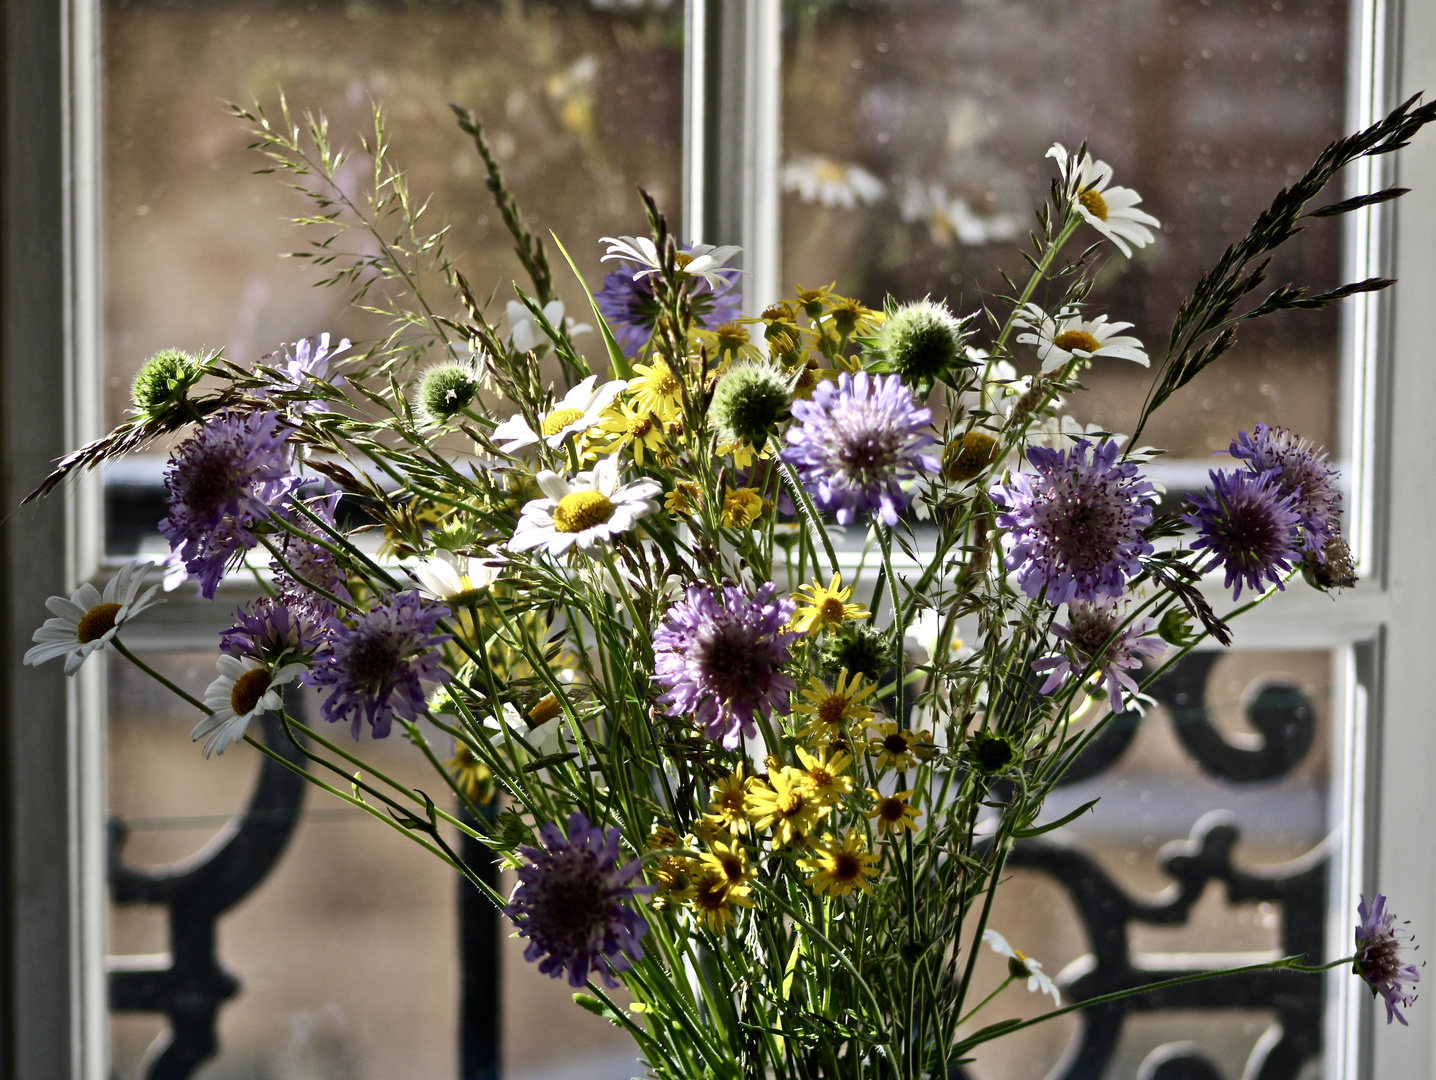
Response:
column 279, row 629
column 220, row 483
column 571, row 902
column 857, row 441
column 376, row 668
column 720, row 662
column 297, row 363
column 1074, row 525
column 1303, row 472
column 1096, row 642
column 312, row 563
column 1379, row 941
column 627, row 304
column 1249, row 526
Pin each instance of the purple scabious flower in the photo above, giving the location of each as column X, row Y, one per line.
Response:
column 376, row 668
column 570, row 903
column 857, row 441
column 296, row 364
column 1379, row 941
column 311, row 563
column 1074, row 525
column 1249, row 526
column 1301, row 471
column 720, row 662
column 279, row 629
column 220, row 483
column 627, row 304
column 1095, row 642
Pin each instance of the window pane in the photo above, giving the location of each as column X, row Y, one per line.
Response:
column 914, row 137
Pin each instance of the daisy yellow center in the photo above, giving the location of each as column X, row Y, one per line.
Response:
column 829, row 172
column 833, row 710
column 890, row 810
column 97, row 622
column 681, row 259
column 1072, row 340
column 581, row 510
column 544, row 711
column 559, row 419
column 1094, row 203
column 895, row 744
column 973, row 454
column 248, row 689
column 846, row 867
column 831, row 610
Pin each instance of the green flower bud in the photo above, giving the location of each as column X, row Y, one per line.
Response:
column 1175, row 627
column 922, row 342
column 164, row 379
column 749, row 403
column 990, row 753
column 860, row 650
column 445, row 390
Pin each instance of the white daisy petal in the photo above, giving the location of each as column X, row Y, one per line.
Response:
column 89, row 619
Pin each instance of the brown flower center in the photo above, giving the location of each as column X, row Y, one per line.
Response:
column 559, row 419
column 581, row 510
column 832, row 610
column 1072, row 340
column 833, row 710
column 97, row 622
column 732, row 867
column 1094, row 203
column 248, row 689
column 890, row 810
column 846, row 867
column 895, row 744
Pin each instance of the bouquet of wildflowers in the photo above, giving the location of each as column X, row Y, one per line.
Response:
column 600, row 592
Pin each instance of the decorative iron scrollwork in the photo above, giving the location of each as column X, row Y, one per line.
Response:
column 190, row 989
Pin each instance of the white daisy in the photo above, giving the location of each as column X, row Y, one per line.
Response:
column 831, row 183
column 524, row 332
column 542, row 729
column 246, row 688
column 1059, row 340
column 586, row 511
column 89, row 620
column 1110, row 210
column 448, row 577
column 697, row 260
column 951, row 220
column 577, row 412
column 1020, row 964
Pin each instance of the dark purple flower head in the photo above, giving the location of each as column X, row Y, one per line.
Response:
column 1379, row 941
column 278, row 629
column 1091, row 647
column 1303, row 472
column 857, row 441
column 311, row 563
column 376, row 668
column 720, row 663
column 1249, row 526
column 628, row 306
column 297, row 363
column 220, row 483
column 1073, row 525
column 571, row 902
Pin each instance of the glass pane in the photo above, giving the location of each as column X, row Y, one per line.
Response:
column 914, row 137
column 347, row 953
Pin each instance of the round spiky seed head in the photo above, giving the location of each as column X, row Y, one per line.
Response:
column 921, row 342
column 990, row 753
column 861, row 650
column 749, row 403
column 445, row 390
column 969, row 457
column 164, row 379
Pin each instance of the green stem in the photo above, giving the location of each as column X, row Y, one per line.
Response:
column 153, row 674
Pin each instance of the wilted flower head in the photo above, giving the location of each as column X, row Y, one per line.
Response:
column 376, row 667
column 720, row 663
column 1303, row 472
column 1072, row 525
column 1022, row 966
column 1096, row 643
column 308, row 563
column 572, row 903
column 1379, row 941
column 859, row 439
column 1249, row 526
column 220, row 483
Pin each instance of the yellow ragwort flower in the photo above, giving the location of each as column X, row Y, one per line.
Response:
column 471, row 775
column 714, row 900
column 849, row 317
column 839, row 868
column 626, row 426
column 656, row 390
column 741, row 507
column 728, row 861
column 893, row 813
column 785, row 805
column 823, row 774
column 728, row 808
column 833, row 711
column 685, row 498
column 894, row 746
column 827, row 608
column 673, row 874
column 726, row 343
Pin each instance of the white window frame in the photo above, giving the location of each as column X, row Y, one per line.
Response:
column 53, row 897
